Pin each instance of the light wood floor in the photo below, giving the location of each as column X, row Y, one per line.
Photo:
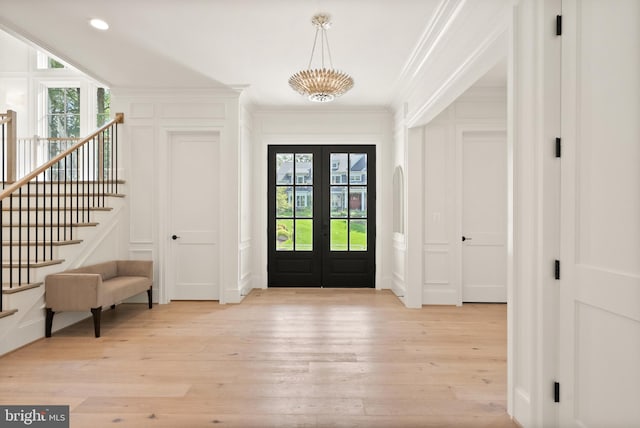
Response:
column 281, row 358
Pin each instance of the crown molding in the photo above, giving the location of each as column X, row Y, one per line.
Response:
column 461, row 43
column 485, row 56
column 445, row 14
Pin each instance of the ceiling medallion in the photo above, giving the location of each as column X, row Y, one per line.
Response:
column 321, row 84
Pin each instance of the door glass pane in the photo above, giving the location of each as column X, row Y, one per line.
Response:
column 338, row 168
column 284, row 168
column 358, row 235
column 338, row 201
column 338, row 235
column 304, row 201
column 304, row 168
column 284, row 201
column 304, row 235
column 358, row 201
column 284, row 235
column 358, row 168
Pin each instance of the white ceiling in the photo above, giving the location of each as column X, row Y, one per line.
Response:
column 205, row 43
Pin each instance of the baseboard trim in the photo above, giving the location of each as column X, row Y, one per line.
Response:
column 439, row 297
column 522, row 407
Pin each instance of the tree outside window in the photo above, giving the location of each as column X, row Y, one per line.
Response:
column 52, row 63
column 103, row 103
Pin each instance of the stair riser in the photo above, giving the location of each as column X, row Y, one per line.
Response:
column 65, row 216
column 30, row 254
column 71, row 202
column 70, row 186
column 77, row 233
column 36, row 274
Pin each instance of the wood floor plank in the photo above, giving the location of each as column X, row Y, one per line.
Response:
column 282, row 358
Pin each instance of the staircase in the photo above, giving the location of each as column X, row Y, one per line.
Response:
column 53, row 219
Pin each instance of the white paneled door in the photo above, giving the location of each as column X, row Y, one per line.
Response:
column 599, row 346
column 194, row 216
column 484, row 216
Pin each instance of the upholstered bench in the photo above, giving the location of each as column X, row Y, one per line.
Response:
column 89, row 288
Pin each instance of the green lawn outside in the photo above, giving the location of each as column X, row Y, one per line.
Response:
column 304, row 235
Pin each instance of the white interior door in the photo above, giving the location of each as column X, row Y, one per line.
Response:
column 599, row 346
column 194, row 216
column 484, row 217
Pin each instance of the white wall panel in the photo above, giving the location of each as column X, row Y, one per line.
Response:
column 192, row 110
column 435, row 176
column 436, row 266
column 14, row 54
column 141, row 111
column 599, row 401
column 246, row 175
column 14, row 95
column 141, row 186
column 492, row 109
column 399, row 256
column 349, row 122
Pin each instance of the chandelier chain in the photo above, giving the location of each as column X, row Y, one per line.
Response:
column 324, row 32
column 313, row 49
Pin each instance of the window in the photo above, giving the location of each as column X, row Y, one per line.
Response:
column 338, row 178
column 300, row 179
column 301, row 201
column 63, row 112
column 45, row 62
column 55, row 64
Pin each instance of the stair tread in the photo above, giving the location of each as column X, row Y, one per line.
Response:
column 33, row 264
column 7, row 289
column 55, row 194
column 55, row 243
column 49, row 208
column 7, row 312
column 119, row 181
column 24, row 224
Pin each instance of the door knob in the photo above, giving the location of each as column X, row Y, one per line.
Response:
column 174, row 237
column 464, row 238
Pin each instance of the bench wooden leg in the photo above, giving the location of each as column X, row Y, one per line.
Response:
column 49, row 322
column 149, row 293
column 96, row 320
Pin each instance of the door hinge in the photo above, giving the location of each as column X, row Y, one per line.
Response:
column 557, row 269
column 558, row 25
column 558, row 147
column 556, row 392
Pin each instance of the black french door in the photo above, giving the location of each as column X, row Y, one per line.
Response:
column 321, row 216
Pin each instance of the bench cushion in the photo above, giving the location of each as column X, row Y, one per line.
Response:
column 121, row 288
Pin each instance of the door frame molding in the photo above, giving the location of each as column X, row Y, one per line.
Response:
column 320, row 140
column 164, row 204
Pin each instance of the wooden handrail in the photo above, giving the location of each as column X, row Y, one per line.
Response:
column 5, row 120
column 50, row 138
column 42, row 168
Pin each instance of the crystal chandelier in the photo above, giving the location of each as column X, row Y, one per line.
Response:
column 321, row 84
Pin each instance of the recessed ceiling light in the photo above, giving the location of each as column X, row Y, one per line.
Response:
column 99, row 24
